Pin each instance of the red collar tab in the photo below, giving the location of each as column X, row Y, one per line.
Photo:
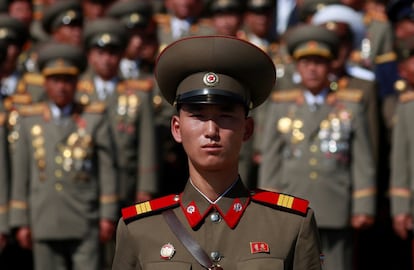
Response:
column 235, row 212
column 281, row 201
column 193, row 215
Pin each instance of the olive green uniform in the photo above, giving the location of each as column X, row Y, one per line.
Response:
column 228, row 236
column 4, row 175
column 64, row 181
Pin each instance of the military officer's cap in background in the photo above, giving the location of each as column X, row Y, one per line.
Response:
column 67, row 12
column 398, row 10
column 223, row 6
column 132, row 13
column 310, row 7
column 332, row 14
column 105, row 33
column 404, row 48
column 312, row 40
column 61, row 59
column 12, row 30
column 260, row 5
column 215, row 70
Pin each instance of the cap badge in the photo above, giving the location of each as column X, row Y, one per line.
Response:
column 312, row 44
column 135, row 17
column 210, row 79
column 167, row 251
column 105, row 39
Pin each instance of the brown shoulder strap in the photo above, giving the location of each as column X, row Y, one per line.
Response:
column 185, row 238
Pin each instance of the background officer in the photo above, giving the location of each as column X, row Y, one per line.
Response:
column 315, row 145
column 64, row 190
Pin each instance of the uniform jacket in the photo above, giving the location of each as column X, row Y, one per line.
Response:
column 4, row 173
column 63, row 174
column 131, row 116
column 240, row 232
column 402, row 184
column 322, row 155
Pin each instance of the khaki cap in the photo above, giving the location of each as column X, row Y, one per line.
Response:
column 308, row 40
column 62, row 13
column 105, row 32
column 132, row 13
column 220, row 6
column 61, row 59
column 12, row 30
column 310, row 7
column 214, row 69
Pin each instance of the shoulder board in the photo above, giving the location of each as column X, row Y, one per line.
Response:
column 21, row 99
column 33, row 109
column 386, row 57
column 281, row 201
column 85, row 86
column 352, row 95
column 34, row 79
column 286, row 95
column 151, row 207
column 142, row 85
column 3, row 118
column 95, row 107
column 162, row 18
column 378, row 16
column 406, row 96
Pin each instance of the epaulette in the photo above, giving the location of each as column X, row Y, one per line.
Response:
column 406, row 96
column 286, row 95
column 95, row 107
column 351, row 95
column 142, row 85
column 161, row 18
column 377, row 16
column 3, row 117
column 385, row 58
column 151, row 207
column 21, row 99
column 281, row 201
column 85, row 86
column 33, row 109
column 34, row 79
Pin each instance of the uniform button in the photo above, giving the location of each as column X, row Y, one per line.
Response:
column 215, row 256
column 313, row 148
column 215, row 217
column 313, row 161
column 58, row 174
column 58, row 187
column 313, row 175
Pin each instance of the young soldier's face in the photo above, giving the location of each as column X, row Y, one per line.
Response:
column 105, row 61
column 314, row 72
column 212, row 135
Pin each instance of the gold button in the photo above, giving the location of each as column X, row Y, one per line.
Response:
column 313, row 148
column 58, row 187
column 313, row 175
column 313, row 161
column 58, row 173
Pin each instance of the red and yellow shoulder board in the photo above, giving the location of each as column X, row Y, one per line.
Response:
column 406, row 96
column 21, row 99
column 280, row 200
column 351, row 95
column 33, row 109
column 143, row 209
column 85, row 86
column 286, row 95
column 145, row 85
column 95, row 107
column 161, row 18
column 34, row 79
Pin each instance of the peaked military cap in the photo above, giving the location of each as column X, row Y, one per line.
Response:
column 58, row 58
column 310, row 7
column 307, row 40
column 260, row 5
column 12, row 30
column 132, row 13
column 220, row 6
column 213, row 70
column 105, row 32
column 328, row 16
column 67, row 12
column 398, row 10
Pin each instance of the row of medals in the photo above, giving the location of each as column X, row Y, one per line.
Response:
column 126, row 112
column 73, row 154
column 334, row 132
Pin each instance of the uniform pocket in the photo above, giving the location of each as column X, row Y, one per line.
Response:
column 167, row 266
column 261, row 264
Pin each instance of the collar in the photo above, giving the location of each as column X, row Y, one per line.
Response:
column 230, row 206
column 58, row 113
column 318, row 99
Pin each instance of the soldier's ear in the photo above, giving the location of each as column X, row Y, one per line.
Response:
column 175, row 128
column 249, row 128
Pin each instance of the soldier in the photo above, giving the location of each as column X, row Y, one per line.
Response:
column 216, row 216
column 63, row 21
column 64, row 190
column 226, row 17
column 315, row 145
